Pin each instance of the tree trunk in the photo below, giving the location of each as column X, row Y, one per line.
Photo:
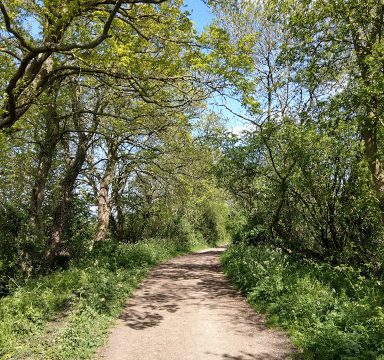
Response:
column 47, row 150
column 371, row 122
column 61, row 212
column 104, row 199
column 62, row 209
column 371, row 151
column 121, row 226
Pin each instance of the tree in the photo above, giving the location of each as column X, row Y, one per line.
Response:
column 33, row 62
column 340, row 45
column 299, row 175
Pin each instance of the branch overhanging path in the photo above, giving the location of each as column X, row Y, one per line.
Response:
column 187, row 309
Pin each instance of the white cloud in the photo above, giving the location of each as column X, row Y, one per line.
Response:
column 239, row 130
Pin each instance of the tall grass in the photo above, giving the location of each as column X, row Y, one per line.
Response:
column 330, row 312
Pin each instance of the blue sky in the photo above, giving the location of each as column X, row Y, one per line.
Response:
column 200, row 13
column 202, row 16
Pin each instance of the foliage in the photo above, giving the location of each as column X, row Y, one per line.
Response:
column 104, row 139
column 307, row 175
column 96, row 132
column 326, row 208
column 330, row 312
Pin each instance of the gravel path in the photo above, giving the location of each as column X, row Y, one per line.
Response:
column 186, row 309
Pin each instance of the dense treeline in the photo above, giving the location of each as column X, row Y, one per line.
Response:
column 309, row 176
column 100, row 137
column 105, row 139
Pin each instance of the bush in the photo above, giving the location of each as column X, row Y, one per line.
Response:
column 11, row 220
column 330, row 312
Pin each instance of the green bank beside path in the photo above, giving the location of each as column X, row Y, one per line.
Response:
column 67, row 314
column 330, row 312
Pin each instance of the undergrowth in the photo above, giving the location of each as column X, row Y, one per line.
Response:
column 330, row 312
column 66, row 315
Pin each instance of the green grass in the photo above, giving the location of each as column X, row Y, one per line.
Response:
column 66, row 315
column 330, row 312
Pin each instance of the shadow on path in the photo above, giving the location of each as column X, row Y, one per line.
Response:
column 187, row 309
column 196, row 279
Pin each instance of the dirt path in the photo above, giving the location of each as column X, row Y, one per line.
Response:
column 187, row 310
